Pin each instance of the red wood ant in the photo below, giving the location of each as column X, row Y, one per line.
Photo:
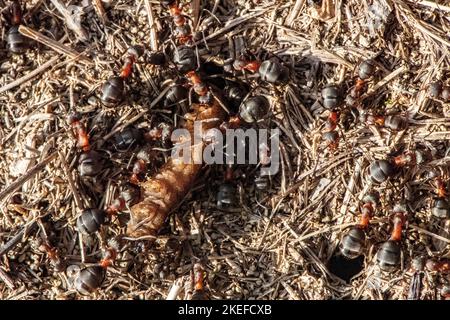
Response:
column 113, row 90
column 182, row 31
column 271, row 70
column 16, row 42
column 330, row 134
column 388, row 255
column 381, row 170
column 200, row 290
column 52, row 253
column 331, row 95
column 91, row 278
column 89, row 163
column 393, row 122
column 353, row 243
column 80, row 132
column 440, row 207
column 366, row 70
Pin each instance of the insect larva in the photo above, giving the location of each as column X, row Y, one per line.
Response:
column 162, row 192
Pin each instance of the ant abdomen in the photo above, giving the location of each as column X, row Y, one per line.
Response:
column 175, row 95
column 331, row 136
column 113, row 91
column 254, row 109
column 89, row 279
column 185, row 59
column 381, row 170
column 235, row 95
column 396, row 123
column 157, row 58
column 89, row 164
column 16, row 42
column 353, row 243
column 90, row 220
column 273, row 71
column 332, row 96
column 440, row 209
column 366, row 69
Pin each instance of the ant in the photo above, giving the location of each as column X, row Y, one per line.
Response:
column 80, row 132
column 330, row 134
column 440, row 207
column 16, row 42
column 52, row 253
column 251, row 111
column 196, row 288
column 332, row 100
column 271, row 70
column 366, row 70
column 353, row 243
column 91, row 219
column 182, row 31
column 382, row 170
column 89, row 163
column 388, row 255
column 113, row 90
column 91, row 278
column 393, row 122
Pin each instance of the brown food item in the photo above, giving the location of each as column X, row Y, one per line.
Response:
column 162, row 192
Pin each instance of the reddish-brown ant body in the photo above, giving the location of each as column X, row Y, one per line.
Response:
column 353, row 243
column 113, row 90
column 200, row 290
column 381, row 170
column 91, row 278
column 393, row 122
column 331, row 136
column 89, row 162
column 440, row 207
column 366, row 70
column 52, row 253
column 16, row 42
column 80, row 132
column 388, row 255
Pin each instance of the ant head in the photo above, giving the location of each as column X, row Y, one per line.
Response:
column 372, row 197
column 400, row 208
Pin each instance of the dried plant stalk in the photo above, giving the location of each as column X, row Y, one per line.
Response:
column 163, row 192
